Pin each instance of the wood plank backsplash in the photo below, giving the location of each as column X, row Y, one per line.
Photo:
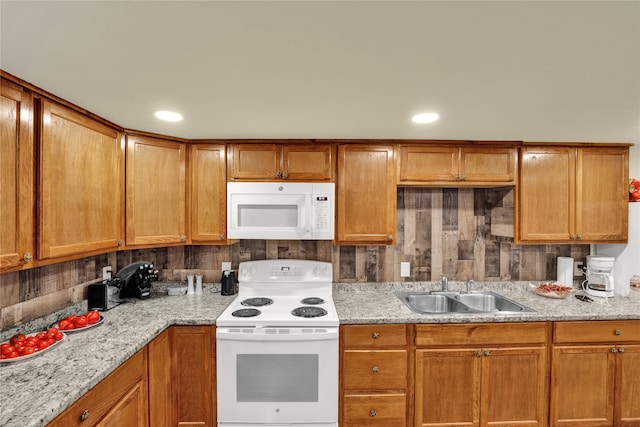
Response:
column 463, row 233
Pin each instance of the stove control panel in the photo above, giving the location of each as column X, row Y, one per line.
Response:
column 285, row 270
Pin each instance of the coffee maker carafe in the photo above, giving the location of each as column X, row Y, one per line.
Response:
column 599, row 281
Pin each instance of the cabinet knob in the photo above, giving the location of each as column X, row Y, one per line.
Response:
column 28, row 257
column 614, row 350
column 285, row 175
column 278, row 174
column 390, row 237
column 375, row 369
column 618, row 332
column 85, row 414
column 375, row 335
column 579, row 236
column 456, row 177
column 373, row 413
column 621, row 350
column 183, row 238
column 487, row 353
column 120, row 242
column 463, row 177
column 572, row 237
column 478, row 353
column 221, row 236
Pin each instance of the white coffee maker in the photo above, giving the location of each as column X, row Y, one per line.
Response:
column 599, row 281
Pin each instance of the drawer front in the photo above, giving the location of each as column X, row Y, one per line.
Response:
column 372, row 336
column 374, row 370
column 481, row 334
column 374, row 410
column 605, row 331
column 99, row 400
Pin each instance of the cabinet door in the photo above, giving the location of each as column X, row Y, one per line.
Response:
column 307, row 162
column 366, row 194
column 582, row 386
column 207, row 194
column 255, row 162
column 155, row 191
column 488, row 165
column 17, row 160
column 160, row 381
column 81, row 185
column 447, row 387
column 427, row 163
column 191, row 377
column 602, row 195
column 130, row 411
column 514, row 387
column 547, row 194
column 627, row 395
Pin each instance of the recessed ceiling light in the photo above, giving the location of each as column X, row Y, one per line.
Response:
column 168, row 116
column 425, row 118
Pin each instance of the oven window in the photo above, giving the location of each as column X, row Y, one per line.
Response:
column 268, row 215
column 277, row 377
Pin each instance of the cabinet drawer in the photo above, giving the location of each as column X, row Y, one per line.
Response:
column 481, row 334
column 610, row 331
column 374, row 370
column 100, row 399
column 374, row 410
column 374, row 336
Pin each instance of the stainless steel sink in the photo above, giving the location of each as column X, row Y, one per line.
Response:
column 460, row 302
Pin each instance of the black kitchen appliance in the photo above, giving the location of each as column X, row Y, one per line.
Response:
column 104, row 295
column 228, row 285
column 136, row 279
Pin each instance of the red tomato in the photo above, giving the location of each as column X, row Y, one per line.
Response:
column 71, row 318
column 41, row 335
column 12, row 355
column 65, row 324
column 7, row 348
column 31, row 342
column 17, row 338
column 92, row 317
column 80, row 322
column 51, row 332
column 42, row 344
column 58, row 336
column 19, row 348
column 27, row 350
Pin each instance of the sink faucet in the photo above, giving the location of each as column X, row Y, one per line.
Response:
column 444, row 283
column 469, row 284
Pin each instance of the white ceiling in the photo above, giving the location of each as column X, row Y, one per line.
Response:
column 534, row 71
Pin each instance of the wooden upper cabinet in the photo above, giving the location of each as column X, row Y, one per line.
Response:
column 80, row 186
column 366, row 201
column 207, row 193
column 156, row 190
column 293, row 161
column 573, row 194
column 17, row 163
column 452, row 165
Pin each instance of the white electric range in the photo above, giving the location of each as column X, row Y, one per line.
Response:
column 277, row 347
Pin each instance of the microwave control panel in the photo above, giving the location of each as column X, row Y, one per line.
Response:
column 321, row 213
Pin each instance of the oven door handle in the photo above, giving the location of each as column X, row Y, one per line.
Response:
column 276, row 334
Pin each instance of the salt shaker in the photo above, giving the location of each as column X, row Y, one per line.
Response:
column 199, row 284
column 190, row 290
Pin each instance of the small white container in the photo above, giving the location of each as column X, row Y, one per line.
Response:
column 190, row 288
column 199, row 284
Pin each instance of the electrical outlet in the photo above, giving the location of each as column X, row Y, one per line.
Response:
column 577, row 269
column 106, row 272
column 226, row 266
column 405, row 269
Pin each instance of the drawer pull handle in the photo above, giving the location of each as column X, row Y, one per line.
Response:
column 85, row 414
column 614, row 350
column 375, row 335
column 375, row 369
column 373, row 413
column 618, row 332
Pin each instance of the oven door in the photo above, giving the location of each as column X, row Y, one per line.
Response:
column 277, row 376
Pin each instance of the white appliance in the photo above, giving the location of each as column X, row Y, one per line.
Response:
column 280, row 210
column 599, row 281
column 627, row 255
column 277, row 347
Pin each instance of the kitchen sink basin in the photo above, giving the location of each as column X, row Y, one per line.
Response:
column 460, row 302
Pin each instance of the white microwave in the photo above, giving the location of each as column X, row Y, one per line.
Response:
column 280, row 210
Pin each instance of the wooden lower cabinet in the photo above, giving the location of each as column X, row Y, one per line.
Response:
column 481, row 375
column 160, row 413
column 375, row 375
column 595, row 374
column 119, row 400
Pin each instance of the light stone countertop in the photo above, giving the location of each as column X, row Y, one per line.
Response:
column 36, row 390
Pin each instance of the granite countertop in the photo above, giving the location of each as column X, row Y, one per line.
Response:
column 36, row 390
